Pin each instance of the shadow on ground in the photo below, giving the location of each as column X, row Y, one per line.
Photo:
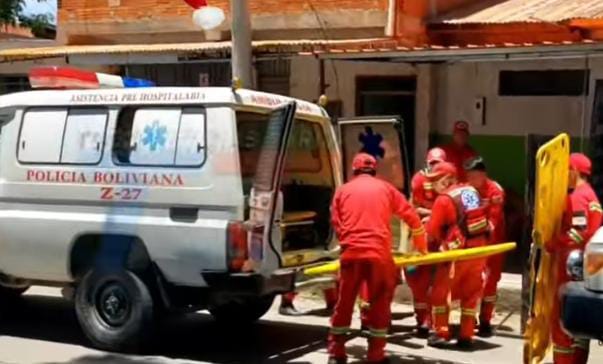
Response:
column 195, row 338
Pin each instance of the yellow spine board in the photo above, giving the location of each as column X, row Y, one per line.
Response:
column 432, row 258
column 552, row 169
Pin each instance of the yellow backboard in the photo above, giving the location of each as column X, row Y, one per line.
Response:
column 552, row 170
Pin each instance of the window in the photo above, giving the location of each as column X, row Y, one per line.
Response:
column 61, row 135
column 42, row 135
column 10, row 84
column 543, row 83
column 84, row 136
column 304, row 149
column 161, row 136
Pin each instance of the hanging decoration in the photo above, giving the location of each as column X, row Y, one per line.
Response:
column 205, row 16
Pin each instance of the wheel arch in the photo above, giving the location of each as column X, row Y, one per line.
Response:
column 108, row 250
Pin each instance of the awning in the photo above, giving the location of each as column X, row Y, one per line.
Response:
column 204, row 49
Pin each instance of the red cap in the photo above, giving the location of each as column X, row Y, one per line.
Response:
column 364, row 161
column 580, row 163
column 441, row 170
column 436, row 155
column 461, row 126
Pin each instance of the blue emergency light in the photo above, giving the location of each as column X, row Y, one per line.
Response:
column 72, row 78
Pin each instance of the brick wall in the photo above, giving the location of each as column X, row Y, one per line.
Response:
column 125, row 10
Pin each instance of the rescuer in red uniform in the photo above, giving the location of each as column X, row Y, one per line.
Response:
column 361, row 213
column 419, row 278
column 493, row 200
column 582, row 219
column 457, row 221
column 459, row 151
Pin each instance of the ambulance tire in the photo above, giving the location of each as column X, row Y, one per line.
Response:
column 245, row 311
column 115, row 310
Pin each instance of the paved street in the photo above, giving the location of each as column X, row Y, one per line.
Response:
column 44, row 330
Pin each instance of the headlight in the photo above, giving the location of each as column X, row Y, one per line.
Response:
column 575, row 265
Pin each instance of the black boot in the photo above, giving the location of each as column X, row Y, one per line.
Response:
column 485, row 330
column 436, row 341
column 423, row 331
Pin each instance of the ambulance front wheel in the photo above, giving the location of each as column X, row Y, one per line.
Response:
column 114, row 309
column 246, row 310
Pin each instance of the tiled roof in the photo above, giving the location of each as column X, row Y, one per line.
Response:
column 521, row 11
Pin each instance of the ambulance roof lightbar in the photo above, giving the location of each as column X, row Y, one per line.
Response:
column 54, row 77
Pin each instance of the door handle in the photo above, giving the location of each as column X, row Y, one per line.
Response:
column 184, row 214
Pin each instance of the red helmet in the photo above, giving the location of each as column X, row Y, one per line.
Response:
column 441, row 170
column 363, row 161
column 581, row 163
column 436, row 155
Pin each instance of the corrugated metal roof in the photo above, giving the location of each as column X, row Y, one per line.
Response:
column 208, row 48
column 521, row 11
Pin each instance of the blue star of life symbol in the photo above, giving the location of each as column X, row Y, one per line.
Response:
column 154, row 136
column 371, row 143
column 470, row 199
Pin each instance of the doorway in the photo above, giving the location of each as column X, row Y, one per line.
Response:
column 391, row 96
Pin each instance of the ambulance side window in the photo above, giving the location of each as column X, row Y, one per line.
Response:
column 84, row 136
column 62, row 136
column 161, row 136
column 41, row 135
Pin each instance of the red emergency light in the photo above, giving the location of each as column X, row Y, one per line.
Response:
column 54, row 77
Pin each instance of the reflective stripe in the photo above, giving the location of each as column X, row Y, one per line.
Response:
column 575, row 236
column 595, row 206
column 341, row 330
column 418, row 231
column 440, row 310
column 563, row 350
column 468, row 312
column 477, row 226
column 490, row 299
column 581, row 344
column 428, row 186
column 497, row 199
column 380, row 333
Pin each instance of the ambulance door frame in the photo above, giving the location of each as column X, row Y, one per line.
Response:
column 267, row 221
column 398, row 124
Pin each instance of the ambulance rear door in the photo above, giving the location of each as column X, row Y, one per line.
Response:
column 383, row 138
column 265, row 206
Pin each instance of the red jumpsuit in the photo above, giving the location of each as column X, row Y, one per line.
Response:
column 458, row 221
column 458, row 156
column 582, row 219
column 361, row 213
column 493, row 199
column 419, row 278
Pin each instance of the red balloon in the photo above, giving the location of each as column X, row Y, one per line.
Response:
column 196, row 4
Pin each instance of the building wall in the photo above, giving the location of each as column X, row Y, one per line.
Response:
column 131, row 21
column 340, row 76
column 508, row 119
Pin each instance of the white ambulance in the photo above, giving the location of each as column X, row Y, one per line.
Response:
column 148, row 200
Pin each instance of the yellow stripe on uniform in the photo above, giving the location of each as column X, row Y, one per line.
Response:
column 339, row 330
column 489, row 299
column 379, row 333
column 468, row 312
column 575, row 236
column 595, row 206
column 440, row 309
column 417, row 231
column 563, row 350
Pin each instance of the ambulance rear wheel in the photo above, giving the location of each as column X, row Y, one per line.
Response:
column 247, row 310
column 115, row 310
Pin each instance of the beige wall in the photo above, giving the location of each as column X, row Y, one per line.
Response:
column 341, row 76
column 460, row 84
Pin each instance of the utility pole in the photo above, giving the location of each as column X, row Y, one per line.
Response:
column 241, row 42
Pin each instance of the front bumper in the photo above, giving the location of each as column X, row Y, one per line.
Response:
column 581, row 311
